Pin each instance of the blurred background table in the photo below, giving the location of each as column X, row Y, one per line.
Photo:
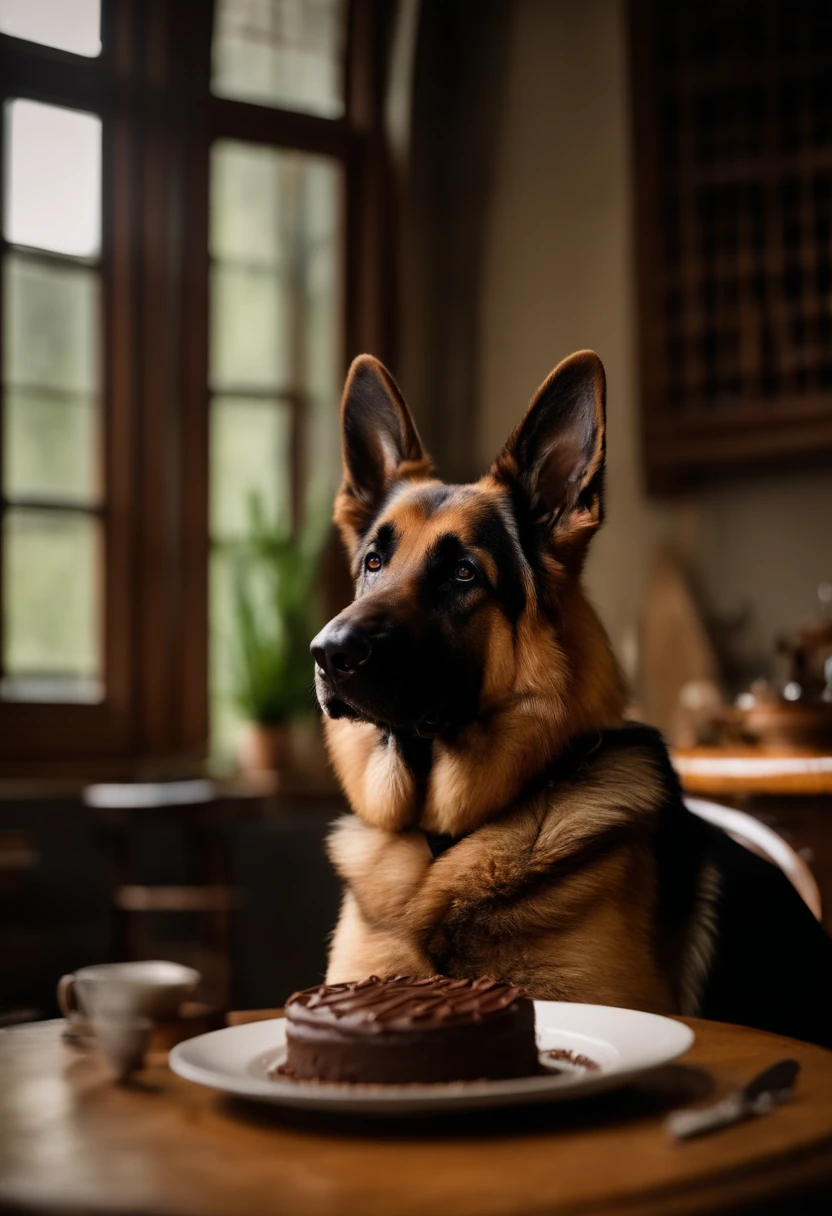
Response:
column 790, row 790
column 235, row 882
column 745, row 771
column 71, row 1141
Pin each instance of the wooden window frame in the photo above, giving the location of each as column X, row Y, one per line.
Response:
column 159, row 122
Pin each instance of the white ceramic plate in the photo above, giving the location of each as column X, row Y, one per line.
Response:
column 623, row 1042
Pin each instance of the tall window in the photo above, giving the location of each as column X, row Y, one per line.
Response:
column 63, row 590
column 275, row 354
column 52, row 503
column 286, row 53
column 181, row 239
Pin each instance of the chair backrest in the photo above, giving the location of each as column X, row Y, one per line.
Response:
column 140, row 795
column 756, row 836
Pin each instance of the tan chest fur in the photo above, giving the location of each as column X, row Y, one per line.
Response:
column 557, row 894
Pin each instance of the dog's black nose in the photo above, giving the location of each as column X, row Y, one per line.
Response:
column 340, row 649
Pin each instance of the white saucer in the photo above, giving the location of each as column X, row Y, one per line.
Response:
column 623, row 1043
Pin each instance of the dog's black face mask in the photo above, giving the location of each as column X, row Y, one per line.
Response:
column 442, row 573
column 408, row 654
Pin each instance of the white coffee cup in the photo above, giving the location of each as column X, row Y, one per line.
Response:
column 152, row 989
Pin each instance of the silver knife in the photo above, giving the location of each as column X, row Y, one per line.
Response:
column 766, row 1091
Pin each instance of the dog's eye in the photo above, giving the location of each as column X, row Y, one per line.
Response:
column 372, row 562
column 464, row 572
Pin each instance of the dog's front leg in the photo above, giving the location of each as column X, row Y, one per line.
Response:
column 360, row 949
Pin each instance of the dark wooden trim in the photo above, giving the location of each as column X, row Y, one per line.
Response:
column 45, row 74
column 65, row 506
column 686, row 451
column 242, row 120
column 682, row 465
column 369, row 324
column 267, row 396
column 76, row 762
column 118, row 417
column 371, row 212
column 157, row 531
column 192, row 726
column 48, row 257
column 2, row 385
column 35, row 733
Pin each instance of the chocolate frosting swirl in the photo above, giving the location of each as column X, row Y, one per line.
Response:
column 404, row 1002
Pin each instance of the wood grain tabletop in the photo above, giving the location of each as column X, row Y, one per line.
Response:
column 72, row 1141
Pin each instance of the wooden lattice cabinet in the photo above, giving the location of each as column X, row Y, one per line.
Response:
column 733, row 164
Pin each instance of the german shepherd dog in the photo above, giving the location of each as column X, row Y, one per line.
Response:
column 507, row 820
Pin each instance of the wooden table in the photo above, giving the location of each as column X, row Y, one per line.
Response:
column 734, row 771
column 72, row 1141
column 791, row 791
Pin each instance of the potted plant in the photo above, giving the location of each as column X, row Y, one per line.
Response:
column 274, row 613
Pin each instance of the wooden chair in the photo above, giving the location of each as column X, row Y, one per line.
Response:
column 754, row 835
column 202, row 812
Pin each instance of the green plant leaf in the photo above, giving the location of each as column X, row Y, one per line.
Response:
column 275, row 614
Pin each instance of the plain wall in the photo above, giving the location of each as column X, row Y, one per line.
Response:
column 559, row 275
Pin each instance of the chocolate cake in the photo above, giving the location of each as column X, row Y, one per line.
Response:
column 400, row 1030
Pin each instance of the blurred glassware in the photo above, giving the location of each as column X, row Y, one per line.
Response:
column 807, row 651
column 124, row 1041
column 827, row 672
column 145, row 988
column 796, row 712
column 699, row 715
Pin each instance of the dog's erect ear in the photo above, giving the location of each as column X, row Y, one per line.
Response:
column 379, row 445
column 555, row 457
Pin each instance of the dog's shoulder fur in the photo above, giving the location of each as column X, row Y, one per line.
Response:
column 597, row 885
column 557, row 881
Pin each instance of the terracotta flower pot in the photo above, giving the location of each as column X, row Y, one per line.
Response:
column 263, row 747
